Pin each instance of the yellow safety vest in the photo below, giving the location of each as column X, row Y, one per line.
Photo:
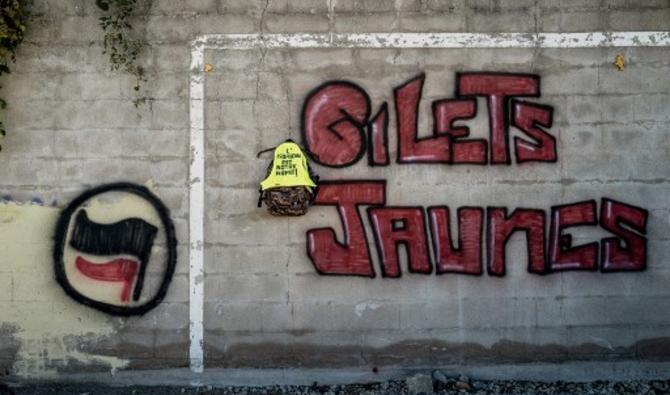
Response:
column 289, row 168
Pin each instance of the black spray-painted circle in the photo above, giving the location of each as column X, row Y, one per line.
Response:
column 61, row 235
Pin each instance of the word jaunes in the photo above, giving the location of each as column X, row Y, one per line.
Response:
column 550, row 246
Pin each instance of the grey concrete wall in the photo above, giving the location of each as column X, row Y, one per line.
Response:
column 71, row 126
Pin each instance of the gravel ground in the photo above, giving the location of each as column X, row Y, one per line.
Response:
column 415, row 385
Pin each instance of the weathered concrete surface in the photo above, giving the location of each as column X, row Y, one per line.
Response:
column 72, row 126
column 542, row 372
column 426, row 353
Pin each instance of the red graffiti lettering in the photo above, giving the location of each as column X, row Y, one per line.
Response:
column 448, row 111
column 395, row 226
column 498, row 88
column 527, row 117
column 378, row 138
column 467, row 258
column 562, row 255
column 500, row 229
column 629, row 250
column 333, row 123
column 351, row 257
column 411, row 148
column 336, row 115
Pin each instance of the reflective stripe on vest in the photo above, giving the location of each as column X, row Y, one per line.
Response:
column 289, row 168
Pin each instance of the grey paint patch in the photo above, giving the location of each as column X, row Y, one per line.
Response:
column 9, row 348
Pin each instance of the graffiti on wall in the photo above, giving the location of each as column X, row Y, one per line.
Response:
column 115, row 249
column 547, row 252
column 336, row 118
column 335, row 121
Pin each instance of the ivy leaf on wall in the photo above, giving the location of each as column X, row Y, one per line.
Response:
column 102, row 4
column 118, row 42
column 12, row 29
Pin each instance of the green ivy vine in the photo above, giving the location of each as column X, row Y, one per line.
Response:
column 122, row 49
column 12, row 29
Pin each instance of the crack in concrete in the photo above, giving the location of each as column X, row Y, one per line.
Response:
column 263, row 50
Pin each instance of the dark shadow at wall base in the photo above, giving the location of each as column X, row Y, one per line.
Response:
column 425, row 353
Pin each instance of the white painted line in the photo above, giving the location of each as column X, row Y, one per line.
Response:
column 340, row 40
column 436, row 40
column 196, row 216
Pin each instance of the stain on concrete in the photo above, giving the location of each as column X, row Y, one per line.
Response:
column 45, row 319
column 423, row 352
column 9, row 348
column 143, row 349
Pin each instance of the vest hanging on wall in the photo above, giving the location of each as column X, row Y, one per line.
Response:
column 289, row 186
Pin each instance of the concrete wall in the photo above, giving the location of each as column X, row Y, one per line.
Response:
column 72, row 127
